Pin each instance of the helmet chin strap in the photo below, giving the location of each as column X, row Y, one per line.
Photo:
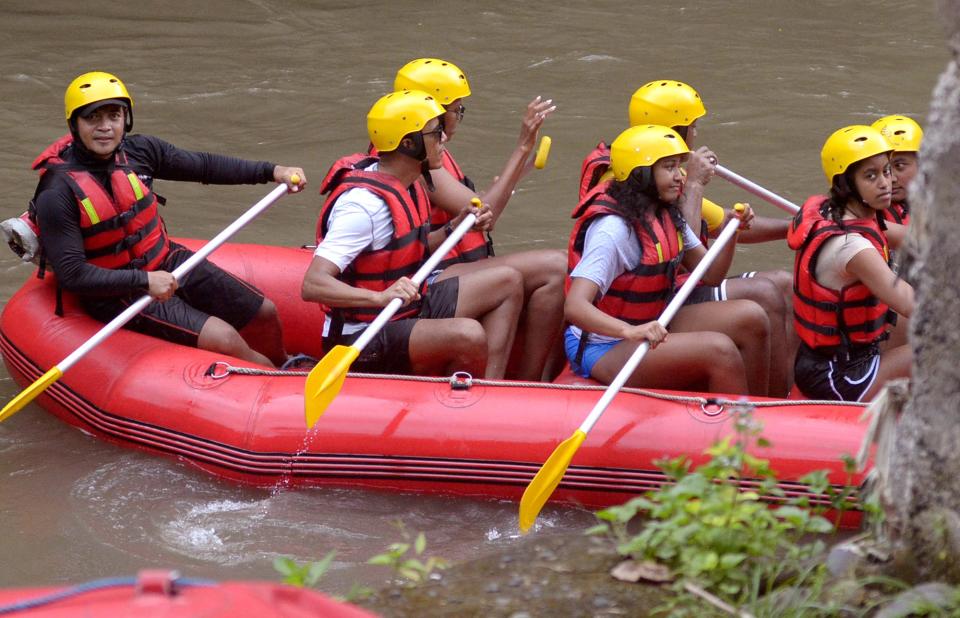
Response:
column 425, row 172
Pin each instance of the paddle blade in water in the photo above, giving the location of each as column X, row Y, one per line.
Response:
column 27, row 395
column 541, row 487
column 325, row 380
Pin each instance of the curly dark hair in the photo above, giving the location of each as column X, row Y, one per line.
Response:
column 842, row 191
column 637, row 195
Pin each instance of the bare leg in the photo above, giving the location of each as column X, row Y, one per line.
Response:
column 683, row 361
column 494, row 296
column 898, row 335
column 744, row 322
column 218, row 336
column 765, row 293
column 784, row 281
column 894, row 363
column 541, row 322
column 264, row 334
column 443, row 347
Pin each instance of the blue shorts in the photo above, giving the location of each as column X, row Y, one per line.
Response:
column 591, row 353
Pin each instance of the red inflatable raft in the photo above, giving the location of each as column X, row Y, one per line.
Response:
column 164, row 594
column 468, row 438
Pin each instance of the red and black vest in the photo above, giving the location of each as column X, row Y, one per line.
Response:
column 594, row 166
column 829, row 320
column 639, row 295
column 474, row 245
column 121, row 228
column 378, row 269
column 898, row 213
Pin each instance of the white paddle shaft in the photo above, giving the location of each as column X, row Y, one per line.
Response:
column 128, row 314
column 394, row 305
column 679, row 298
column 752, row 187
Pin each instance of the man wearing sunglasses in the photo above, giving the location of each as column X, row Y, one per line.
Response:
column 374, row 234
column 543, row 271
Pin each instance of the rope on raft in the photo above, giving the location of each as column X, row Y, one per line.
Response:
column 223, row 369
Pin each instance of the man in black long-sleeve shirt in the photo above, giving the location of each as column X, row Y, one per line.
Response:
column 101, row 231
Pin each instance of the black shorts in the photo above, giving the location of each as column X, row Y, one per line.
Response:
column 205, row 291
column 714, row 293
column 840, row 377
column 389, row 350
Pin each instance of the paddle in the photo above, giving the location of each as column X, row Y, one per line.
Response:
column 755, row 189
column 326, row 378
column 548, row 477
column 54, row 374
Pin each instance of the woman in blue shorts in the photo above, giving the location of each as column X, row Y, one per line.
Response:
column 627, row 242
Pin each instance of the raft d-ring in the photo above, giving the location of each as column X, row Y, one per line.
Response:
column 219, row 370
column 461, row 381
column 711, row 407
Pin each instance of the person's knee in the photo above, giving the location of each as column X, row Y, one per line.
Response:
column 510, row 283
column 753, row 321
column 218, row 336
column 723, row 356
column 467, row 341
column 268, row 312
column 763, row 292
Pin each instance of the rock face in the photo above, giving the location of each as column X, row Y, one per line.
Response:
column 924, row 490
column 557, row 575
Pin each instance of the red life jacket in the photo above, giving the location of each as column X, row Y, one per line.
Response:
column 378, row 269
column 830, row 320
column 120, row 230
column 474, row 245
column 639, row 295
column 594, row 166
column 898, row 213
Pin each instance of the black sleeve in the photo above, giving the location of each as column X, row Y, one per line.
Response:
column 167, row 162
column 59, row 221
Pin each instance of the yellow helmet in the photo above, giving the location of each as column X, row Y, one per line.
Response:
column 642, row 146
column 850, row 144
column 97, row 87
column 903, row 133
column 666, row 102
column 444, row 80
column 398, row 114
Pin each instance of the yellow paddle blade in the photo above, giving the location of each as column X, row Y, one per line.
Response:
column 28, row 394
column 325, row 380
column 541, row 487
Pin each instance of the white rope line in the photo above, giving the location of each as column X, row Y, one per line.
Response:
column 223, row 369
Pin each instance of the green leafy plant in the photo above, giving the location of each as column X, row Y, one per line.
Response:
column 303, row 575
column 711, row 526
column 415, row 568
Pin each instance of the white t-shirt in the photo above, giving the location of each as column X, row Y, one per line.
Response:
column 836, row 252
column 611, row 248
column 359, row 220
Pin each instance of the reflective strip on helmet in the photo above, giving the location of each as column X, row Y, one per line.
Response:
column 91, row 211
column 135, row 183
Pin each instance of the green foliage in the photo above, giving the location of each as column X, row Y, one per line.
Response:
column 303, row 575
column 713, row 527
column 412, row 569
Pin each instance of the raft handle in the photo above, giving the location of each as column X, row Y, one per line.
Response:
column 212, row 370
column 712, row 407
column 461, row 381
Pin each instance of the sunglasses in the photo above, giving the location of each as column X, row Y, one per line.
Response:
column 459, row 111
column 438, row 131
